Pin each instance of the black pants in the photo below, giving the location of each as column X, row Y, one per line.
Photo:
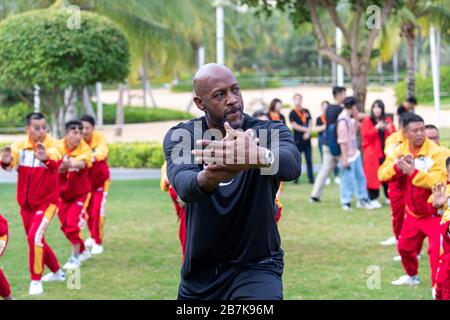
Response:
column 305, row 148
column 260, row 281
column 375, row 193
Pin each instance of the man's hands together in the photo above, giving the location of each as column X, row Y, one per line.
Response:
column 224, row 159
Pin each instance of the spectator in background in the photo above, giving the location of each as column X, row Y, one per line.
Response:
column 374, row 131
column 321, row 126
column 407, row 106
column 275, row 111
column 432, row 133
column 352, row 173
column 329, row 161
column 301, row 122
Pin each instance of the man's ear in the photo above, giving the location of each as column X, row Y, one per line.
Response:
column 199, row 103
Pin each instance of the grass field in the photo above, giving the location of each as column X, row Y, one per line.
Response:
column 327, row 251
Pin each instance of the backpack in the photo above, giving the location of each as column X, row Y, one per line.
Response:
column 331, row 136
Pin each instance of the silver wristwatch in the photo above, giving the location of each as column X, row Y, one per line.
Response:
column 269, row 158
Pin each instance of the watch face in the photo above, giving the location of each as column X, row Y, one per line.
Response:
column 269, row 157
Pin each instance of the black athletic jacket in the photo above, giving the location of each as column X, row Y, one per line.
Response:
column 233, row 226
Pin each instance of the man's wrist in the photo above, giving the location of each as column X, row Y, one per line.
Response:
column 265, row 158
column 205, row 182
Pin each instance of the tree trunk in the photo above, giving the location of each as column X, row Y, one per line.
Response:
column 70, row 111
column 408, row 33
column 395, row 66
column 143, row 75
column 333, row 72
column 319, row 68
column 120, row 114
column 89, row 109
column 359, row 86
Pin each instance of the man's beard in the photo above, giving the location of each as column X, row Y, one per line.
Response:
column 219, row 121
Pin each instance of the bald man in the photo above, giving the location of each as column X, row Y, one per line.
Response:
column 228, row 183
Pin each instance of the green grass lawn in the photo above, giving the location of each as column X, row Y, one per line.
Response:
column 327, row 251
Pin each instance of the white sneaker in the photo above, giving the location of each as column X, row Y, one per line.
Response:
column 364, row 204
column 56, row 276
column 97, row 249
column 328, row 182
column 337, row 180
column 376, row 204
column 392, row 241
column 72, row 263
column 85, row 256
column 36, row 288
column 347, row 207
column 406, row 280
column 89, row 242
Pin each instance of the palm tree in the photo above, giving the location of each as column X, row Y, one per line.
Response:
column 410, row 17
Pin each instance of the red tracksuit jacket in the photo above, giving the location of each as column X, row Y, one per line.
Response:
column 99, row 172
column 37, row 184
column 429, row 170
column 75, row 183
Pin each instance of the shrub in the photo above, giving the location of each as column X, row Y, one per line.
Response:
column 14, row 116
column 131, row 155
column 135, row 155
column 424, row 87
column 143, row 115
column 37, row 47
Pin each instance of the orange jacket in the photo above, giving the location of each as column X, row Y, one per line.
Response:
column 99, row 173
column 75, row 182
column 429, row 170
column 37, row 184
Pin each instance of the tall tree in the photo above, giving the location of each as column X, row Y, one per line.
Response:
column 358, row 35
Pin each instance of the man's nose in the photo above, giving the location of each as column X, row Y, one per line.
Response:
column 231, row 99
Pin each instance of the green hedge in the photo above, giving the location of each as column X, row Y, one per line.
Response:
column 135, row 155
column 424, row 87
column 245, row 83
column 14, row 116
column 143, row 115
column 132, row 155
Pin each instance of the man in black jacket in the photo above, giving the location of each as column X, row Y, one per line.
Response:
column 233, row 248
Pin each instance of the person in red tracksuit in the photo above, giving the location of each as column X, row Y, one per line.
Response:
column 100, row 181
column 396, row 186
column 440, row 201
column 36, row 161
column 75, row 190
column 421, row 162
column 5, row 290
column 374, row 132
column 179, row 208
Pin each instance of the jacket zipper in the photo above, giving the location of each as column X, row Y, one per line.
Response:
column 28, row 184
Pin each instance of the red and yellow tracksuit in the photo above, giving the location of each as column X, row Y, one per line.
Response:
column 74, row 193
column 100, row 182
column 442, row 283
column 419, row 222
column 5, row 290
column 37, row 195
column 396, row 186
column 179, row 208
